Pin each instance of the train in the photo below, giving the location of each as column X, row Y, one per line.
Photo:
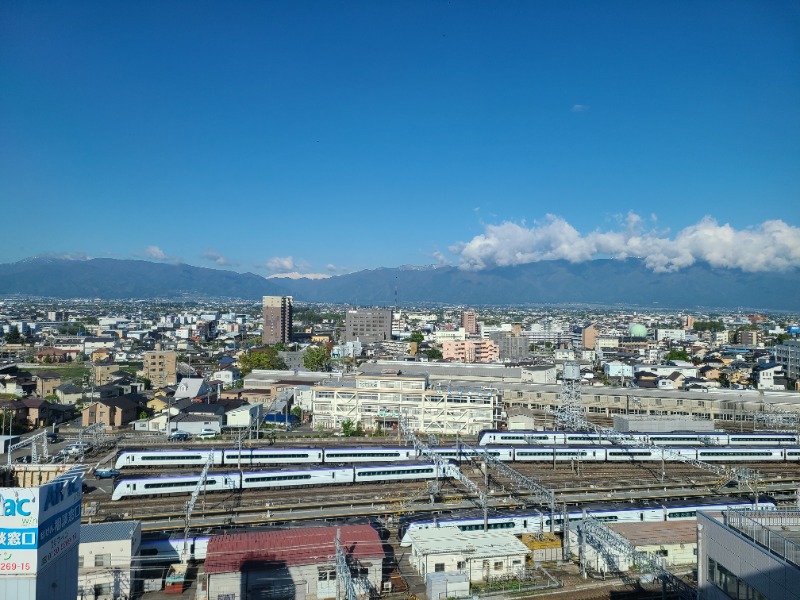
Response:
column 261, row 457
column 490, row 437
column 278, row 479
column 535, row 521
column 277, row 457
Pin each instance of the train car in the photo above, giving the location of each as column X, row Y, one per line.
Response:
column 166, row 486
column 461, row 453
column 686, row 510
column 363, row 455
column 400, row 472
column 166, row 458
column 763, row 438
column 273, row 456
column 492, row 436
column 560, row 453
column 168, row 550
column 284, row 478
column 791, row 453
column 534, row 521
column 687, row 438
column 741, row 454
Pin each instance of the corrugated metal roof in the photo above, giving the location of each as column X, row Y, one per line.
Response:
column 263, row 549
column 106, row 532
column 478, row 544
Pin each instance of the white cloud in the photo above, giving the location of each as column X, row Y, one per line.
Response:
column 772, row 245
column 579, row 108
column 280, row 264
column 155, row 253
column 440, row 258
column 220, row 260
column 296, row 275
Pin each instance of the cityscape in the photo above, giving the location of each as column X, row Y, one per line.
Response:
column 420, row 300
column 490, row 424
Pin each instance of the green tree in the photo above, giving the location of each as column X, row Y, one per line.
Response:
column 677, row 355
column 348, row 428
column 317, row 358
column 416, row 337
column 433, row 354
column 14, row 336
column 261, row 358
column 297, row 412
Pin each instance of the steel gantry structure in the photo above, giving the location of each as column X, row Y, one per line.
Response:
column 570, row 416
column 190, row 506
column 346, row 582
column 541, row 494
column 31, row 441
column 445, row 468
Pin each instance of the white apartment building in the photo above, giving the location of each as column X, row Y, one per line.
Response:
column 374, row 400
column 108, row 560
column 788, row 354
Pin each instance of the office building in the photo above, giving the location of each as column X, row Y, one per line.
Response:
column 39, row 532
column 749, row 554
column 368, row 326
column 277, row 311
column 788, row 355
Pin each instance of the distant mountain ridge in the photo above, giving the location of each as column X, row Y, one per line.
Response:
column 600, row 282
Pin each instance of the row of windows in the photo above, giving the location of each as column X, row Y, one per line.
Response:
column 172, row 484
column 631, row 453
column 394, row 472
column 732, row 453
column 479, row 526
column 682, row 515
column 362, row 454
column 278, row 478
column 174, row 457
column 262, row 456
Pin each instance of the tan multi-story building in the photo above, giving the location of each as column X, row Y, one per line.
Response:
column 382, row 400
column 160, row 367
column 471, row 351
column 277, row 312
column 750, row 337
column 469, row 321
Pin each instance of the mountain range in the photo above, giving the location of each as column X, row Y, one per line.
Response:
column 602, row 282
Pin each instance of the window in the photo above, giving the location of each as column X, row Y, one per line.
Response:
column 102, row 560
column 103, row 589
column 461, row 565
column 498, row 565
column 80, row 561
column 438, row 567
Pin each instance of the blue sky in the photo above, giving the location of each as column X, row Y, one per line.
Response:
column 327, row 137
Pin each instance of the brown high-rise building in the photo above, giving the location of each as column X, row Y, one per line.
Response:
column 277, row 319
column 469, row 321
column 160, row 367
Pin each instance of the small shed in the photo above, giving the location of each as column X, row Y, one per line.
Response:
column 481, row 555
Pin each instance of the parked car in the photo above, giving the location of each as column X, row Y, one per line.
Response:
column 207, row 434
column 52, row 437
column 178, row 436
column 106, row 473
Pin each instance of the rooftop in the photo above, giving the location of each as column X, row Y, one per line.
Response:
column 450, row 539
column 776, row 530
column 106, row 532
column 227, row 553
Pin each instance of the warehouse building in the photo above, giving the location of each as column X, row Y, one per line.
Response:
column 288, row 564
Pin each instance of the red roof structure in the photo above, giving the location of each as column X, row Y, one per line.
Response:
column 291, row 547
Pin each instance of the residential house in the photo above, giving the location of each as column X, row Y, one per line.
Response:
column 116, row 411
column 108, row 560
column 46, row 383
column 69, row 393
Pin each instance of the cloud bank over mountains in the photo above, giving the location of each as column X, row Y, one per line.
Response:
column 771, row 246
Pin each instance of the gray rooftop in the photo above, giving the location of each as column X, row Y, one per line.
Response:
column 106, row 532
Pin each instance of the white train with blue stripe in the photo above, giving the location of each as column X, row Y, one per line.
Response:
column 278, row 479
column 536, row 521
column 675, row 438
